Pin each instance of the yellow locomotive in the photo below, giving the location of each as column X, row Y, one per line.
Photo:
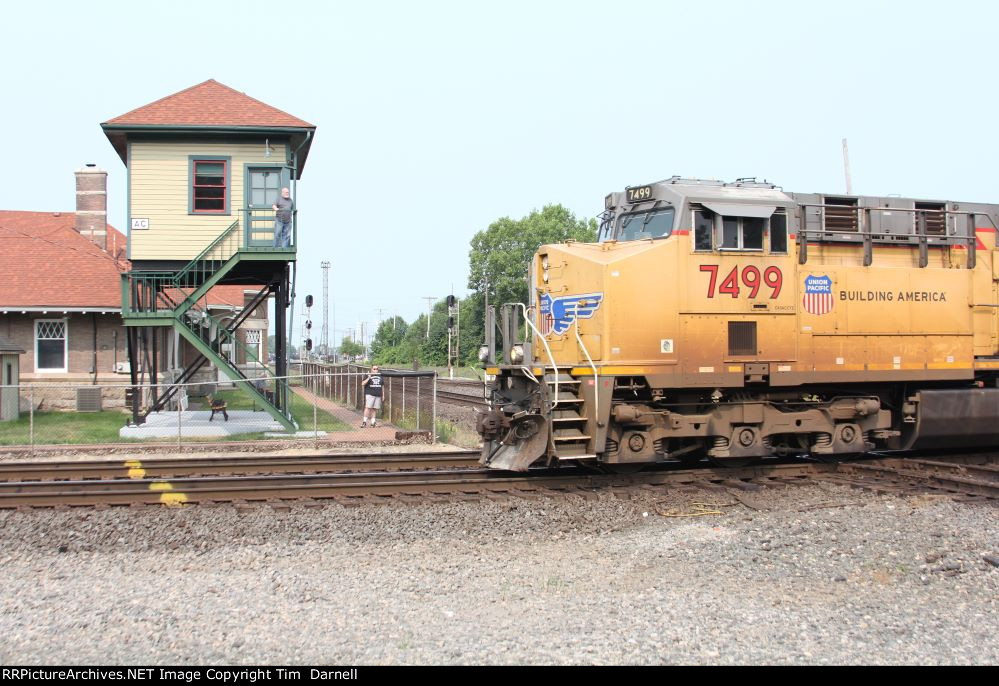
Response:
column 736, row 321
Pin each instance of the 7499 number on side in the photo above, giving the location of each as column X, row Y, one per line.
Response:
column 750, row 277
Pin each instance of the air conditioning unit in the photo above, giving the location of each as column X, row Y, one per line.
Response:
column 122, row 367
column 88, row 399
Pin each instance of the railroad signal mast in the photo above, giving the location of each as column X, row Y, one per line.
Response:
column 307, row 330
column 453, row 316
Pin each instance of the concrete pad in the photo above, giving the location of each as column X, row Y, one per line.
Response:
column 299, row 434
column 196, row 424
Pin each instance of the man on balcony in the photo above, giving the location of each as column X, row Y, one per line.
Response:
column 283, row 208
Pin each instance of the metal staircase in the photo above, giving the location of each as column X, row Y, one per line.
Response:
column 569, row 421
column 161, row 299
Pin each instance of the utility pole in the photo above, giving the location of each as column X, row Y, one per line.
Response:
column 430, row 304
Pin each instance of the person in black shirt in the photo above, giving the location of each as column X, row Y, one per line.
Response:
column 372, row 395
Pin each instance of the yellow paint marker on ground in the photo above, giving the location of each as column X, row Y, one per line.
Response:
column 168, row 496
column 135, row 470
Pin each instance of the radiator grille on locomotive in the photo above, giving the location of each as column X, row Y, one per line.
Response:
column 742, row 338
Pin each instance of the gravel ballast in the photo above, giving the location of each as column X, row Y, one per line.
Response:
column 802, row 575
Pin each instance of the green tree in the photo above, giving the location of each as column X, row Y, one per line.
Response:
column 349, row 348
column 472, row 327
column 385, row 345
column 501, row 254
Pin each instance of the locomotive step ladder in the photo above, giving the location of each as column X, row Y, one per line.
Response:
column 569, row 419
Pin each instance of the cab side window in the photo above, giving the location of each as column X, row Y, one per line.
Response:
column 752, row 233
column 778, row 234
column 722, row 232
column 704, row 224
column 742, row 233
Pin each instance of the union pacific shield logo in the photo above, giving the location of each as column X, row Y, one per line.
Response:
column 556, row 315
column 818, row 294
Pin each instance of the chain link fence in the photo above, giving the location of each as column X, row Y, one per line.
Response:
column 324, row 407
column 409, row 399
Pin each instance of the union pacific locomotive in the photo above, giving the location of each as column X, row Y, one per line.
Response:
column 736, row 321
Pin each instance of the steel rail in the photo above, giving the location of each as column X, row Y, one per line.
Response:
column 346, row 485
column 948, row 476
column 254, row 464
column 451, row 398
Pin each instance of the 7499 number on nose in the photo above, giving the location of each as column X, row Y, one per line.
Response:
column 749, row 277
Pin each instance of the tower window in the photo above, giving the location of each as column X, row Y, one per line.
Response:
column 210, row 186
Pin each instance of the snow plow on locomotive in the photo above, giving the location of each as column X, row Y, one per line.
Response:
column 736, row 321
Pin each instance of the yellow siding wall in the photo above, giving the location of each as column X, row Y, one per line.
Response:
column 160, row 192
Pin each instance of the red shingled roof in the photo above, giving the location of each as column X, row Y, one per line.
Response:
column 209, row 104
column 230, row 295
column 45, row 262
column 221, row 296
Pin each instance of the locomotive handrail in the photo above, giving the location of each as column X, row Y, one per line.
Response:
column 551, row 357
column 596, row 377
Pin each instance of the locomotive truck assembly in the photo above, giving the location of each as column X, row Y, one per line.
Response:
column 736, row 321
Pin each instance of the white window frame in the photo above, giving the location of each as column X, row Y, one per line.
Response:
column 740, row 227
column 65, row 347
column 255, row 347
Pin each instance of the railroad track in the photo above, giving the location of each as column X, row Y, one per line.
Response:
column 351, row 478
column 344, row 487
column 970, row 475
column 460, row 399
column 232, row 466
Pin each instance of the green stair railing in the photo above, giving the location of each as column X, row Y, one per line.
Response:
column 153, row 292
column 214, row 335
column 230, row 326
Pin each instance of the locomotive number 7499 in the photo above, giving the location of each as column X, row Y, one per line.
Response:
column 750, row 277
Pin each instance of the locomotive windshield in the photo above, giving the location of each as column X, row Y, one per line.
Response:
column 636, row 226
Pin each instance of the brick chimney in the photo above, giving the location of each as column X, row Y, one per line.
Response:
column 92, row 204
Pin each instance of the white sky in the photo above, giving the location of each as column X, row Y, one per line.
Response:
column 436, row 118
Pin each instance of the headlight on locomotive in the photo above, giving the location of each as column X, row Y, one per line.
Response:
column 517, row 354
column 484, row 353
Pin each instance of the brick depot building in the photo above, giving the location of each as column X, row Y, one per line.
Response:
column 60, row 293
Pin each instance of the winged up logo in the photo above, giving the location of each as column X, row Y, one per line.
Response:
column 557, row 314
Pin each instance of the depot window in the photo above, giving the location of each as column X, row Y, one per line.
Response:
column 50, row 345
column 209, row 185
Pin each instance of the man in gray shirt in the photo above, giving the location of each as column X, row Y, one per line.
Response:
column 283, row 207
